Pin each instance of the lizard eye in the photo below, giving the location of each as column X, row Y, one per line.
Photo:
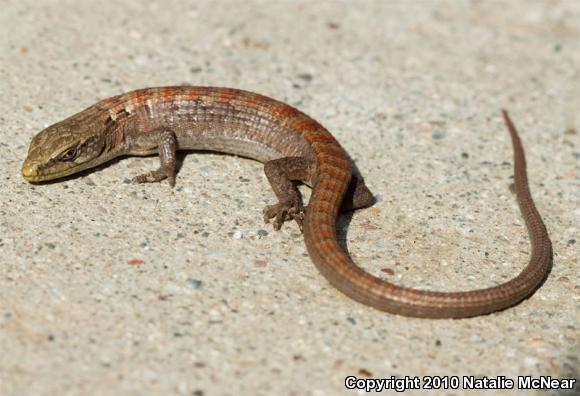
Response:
column 69, row 155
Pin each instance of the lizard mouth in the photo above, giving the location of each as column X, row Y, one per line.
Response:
column 30, row 172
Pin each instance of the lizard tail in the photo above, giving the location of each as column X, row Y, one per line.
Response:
column 345, row 275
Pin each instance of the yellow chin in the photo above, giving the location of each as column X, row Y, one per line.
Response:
column 30, row 173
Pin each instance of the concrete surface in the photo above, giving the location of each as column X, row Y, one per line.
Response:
column 109, row 288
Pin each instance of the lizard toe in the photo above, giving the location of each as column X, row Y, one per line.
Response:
column 156, row 176
column 282, row 212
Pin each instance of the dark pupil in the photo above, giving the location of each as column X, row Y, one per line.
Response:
column 69, row 155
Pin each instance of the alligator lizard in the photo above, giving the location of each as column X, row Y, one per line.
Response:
column 294, row 148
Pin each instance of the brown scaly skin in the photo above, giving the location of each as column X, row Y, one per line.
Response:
column 293, row 147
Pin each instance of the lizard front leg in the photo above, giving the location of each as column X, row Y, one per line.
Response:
column 281, row 173
column 167, row 147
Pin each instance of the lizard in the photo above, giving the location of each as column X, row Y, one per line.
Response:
column 294, row 149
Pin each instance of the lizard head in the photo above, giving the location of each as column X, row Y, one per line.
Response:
column 60, row 150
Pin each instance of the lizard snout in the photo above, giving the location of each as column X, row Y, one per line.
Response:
column 29, row 170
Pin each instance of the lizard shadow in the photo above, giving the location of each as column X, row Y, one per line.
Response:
column 344, row 217
column 342, row 225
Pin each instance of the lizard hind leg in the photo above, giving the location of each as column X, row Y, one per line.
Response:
column 357, row 195
column 281, row 173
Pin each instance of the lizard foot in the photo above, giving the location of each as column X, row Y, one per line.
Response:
column 284, row 211
column 156, row 176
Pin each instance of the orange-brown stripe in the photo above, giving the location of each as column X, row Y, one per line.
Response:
column 325, row 206
column 138, row 97
column 326, row 195
column 323, row 217
column 321, row 137
column 192, row 95
column 324, row 234
column 221, row 97
column 306, row 124
column 284, row 112
column 336, row 160
column 333, row 149
column 168, row 92
column 334, row 172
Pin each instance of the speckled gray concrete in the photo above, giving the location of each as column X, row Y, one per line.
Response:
column 109, row 288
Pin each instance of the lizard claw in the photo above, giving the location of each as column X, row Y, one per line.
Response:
column 284, row 211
